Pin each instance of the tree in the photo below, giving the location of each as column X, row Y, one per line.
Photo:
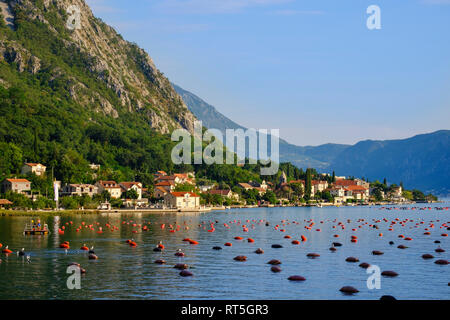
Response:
column 132, row 194
column 308, row 184
column 333, row 179
column 418, row 195
column 105, row 195
column 270, row 197
column 378, row 195
column 297, row 188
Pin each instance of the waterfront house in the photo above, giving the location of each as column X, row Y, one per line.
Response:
column 79, row 190
column 111, row 186
column 182, row 200
column 160, row 192
column 225, row 193
column 22, row 186
column 359, row 192
column 337, row 192
column 127, row 186
column 36, row 168
column 5, row 202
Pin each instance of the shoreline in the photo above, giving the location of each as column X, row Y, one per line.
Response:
column 31, row 213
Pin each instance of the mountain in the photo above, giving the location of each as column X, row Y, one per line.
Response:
column 303, row 157
column 419, row 162
column 127, row 79
column 70, row 97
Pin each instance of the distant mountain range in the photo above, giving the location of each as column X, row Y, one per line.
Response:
column 419, row 162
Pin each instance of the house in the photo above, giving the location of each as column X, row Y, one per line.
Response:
column 167, row 185
column 16, row 185
column 263, row 185
column 182, row 200
column 362, row 183
column 345, row 182
column 127, row 186
column 318, row 186
column 36, row 168
column 206, row 188
column 337, row 192
column 171, row 179
column 158, row 174
column 185, row 177
column 248, row 186
column 358, row 192
column 245, row 186
column 111, row 186
column 79, row 190
column 226, row 194
column 5, row 202
column 160, row 192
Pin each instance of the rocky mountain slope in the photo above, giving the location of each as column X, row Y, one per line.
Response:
column 130, row 78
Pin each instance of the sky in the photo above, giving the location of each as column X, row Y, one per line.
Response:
column 310, row 68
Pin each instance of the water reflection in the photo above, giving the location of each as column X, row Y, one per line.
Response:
column 123, row 272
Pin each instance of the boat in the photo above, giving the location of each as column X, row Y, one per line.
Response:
column 36, row 229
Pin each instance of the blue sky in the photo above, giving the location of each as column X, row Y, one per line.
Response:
column 310, row 68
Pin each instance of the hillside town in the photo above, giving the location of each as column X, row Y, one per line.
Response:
column 181, row 191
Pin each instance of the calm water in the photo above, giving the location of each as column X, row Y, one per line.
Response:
column 130, row 273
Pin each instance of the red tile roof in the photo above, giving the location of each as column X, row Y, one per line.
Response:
column 128, row 185
column 34, row 164
column 182, row 194
column 163, row 184
column 346, row 183
column 18, row 180
column 356, row 188
column 5, row 202
column 221, row 192
column 109, row 184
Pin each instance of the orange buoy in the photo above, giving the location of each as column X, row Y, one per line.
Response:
column 6, row 250
column 304, row 239
column 193, row 242
column 238, row 238
column 84, row 248
column 250, row 240
column 228, row 244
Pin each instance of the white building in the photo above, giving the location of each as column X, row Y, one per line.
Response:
column 182, row 200
column 36, row 168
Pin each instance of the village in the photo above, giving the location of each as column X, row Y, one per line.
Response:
column 181, row 192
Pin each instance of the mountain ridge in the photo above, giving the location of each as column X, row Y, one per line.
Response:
column 358, row 159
